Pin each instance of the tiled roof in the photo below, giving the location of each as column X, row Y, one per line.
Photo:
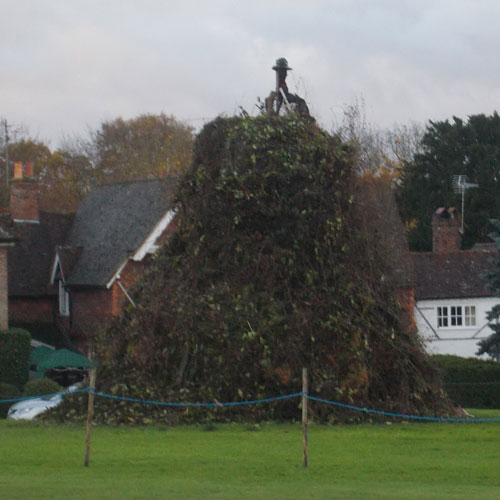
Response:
column 30, row 260
column 452, row 275
column 111, row 223
column 68, row 257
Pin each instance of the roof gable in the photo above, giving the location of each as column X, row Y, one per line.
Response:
column 111, row 224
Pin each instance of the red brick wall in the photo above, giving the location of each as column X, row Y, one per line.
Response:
column 24, row 195
column 128, row 277
column 32, row 310
column 406, row 298
column 446, row 235
column 90, row 312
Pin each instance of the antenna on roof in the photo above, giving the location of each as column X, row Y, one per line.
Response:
column 460, row 185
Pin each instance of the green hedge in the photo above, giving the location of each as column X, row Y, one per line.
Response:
column 470, row 382
column 7, row 391
column 14, row 356
column 41, row 386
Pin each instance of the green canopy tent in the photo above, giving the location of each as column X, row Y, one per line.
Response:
column 63, row 359
column 38, row 354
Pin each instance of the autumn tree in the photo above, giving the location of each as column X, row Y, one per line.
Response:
column 141, row 147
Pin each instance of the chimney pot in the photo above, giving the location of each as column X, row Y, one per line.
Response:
column 28, row 169
column 18, row 170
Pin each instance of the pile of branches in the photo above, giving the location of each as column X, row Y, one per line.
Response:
column 269, row 271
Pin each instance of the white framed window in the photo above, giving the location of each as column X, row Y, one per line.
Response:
column 442, row 314
column 470, row 315
column 456, row 316
column 63, row 300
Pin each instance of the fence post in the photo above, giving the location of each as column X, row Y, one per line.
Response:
column 90, row 414
column 304, row 418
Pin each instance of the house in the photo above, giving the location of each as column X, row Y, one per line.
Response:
column 451, row 295
column 68, row 276
column 37, row 233
column 113, row 235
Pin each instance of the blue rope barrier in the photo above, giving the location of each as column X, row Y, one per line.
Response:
column 91, row 390
column 197, row 405
column 402, row 415
column 42, row 396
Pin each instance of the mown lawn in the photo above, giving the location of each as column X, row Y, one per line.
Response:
column 398, row 461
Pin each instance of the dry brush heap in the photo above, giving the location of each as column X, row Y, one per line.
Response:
column 268, row 271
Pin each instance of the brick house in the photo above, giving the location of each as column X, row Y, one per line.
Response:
column 115, row 230
column 450, row 289
column 31, row 301
column 69, row 275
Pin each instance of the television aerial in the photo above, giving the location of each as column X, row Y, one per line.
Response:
column 460, row 185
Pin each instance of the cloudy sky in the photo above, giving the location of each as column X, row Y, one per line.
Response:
column 67, row 65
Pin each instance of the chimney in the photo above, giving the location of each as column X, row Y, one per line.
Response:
column 446, row 235
column 24, row 194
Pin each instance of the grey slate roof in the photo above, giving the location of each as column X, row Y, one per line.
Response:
column 111, row 224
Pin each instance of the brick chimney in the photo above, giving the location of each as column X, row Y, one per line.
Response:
column 446, row 235
column 24, row 194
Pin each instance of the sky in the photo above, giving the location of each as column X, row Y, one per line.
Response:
column 69, row 65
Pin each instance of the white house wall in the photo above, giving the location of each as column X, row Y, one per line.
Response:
column 458, row 340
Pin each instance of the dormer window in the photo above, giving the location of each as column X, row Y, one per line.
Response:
column 63, row 300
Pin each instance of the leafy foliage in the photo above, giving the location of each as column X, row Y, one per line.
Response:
column 145, row 146
column 7, row 391
column 14, row 356
column 41, row 386
column 471, row 382
column 471, row 148
column 267, row 272
column 491, row 344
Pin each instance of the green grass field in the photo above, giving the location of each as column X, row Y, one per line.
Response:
column 398, row 461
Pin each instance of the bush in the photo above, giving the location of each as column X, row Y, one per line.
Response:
column 14, row 356
column 7, row 391
column 470, row 382
column 41, row 386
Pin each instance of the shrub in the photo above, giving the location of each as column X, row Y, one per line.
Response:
column 470, row 382
column 40, row 386
column 14, row 356
column 7, row 391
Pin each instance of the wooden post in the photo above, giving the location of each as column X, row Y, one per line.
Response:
column 304, row 418
column 90, row 414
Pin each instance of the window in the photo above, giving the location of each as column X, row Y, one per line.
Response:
column 456, row 315
column 63, row 300
column 470, row 315
column 442, row 317
column 452, row 316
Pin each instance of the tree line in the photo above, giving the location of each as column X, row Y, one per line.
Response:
column 148, row 146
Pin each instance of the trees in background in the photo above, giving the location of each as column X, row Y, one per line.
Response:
column 378, row 150
column 469, row 147
column 491, row 344
column 148, row 146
